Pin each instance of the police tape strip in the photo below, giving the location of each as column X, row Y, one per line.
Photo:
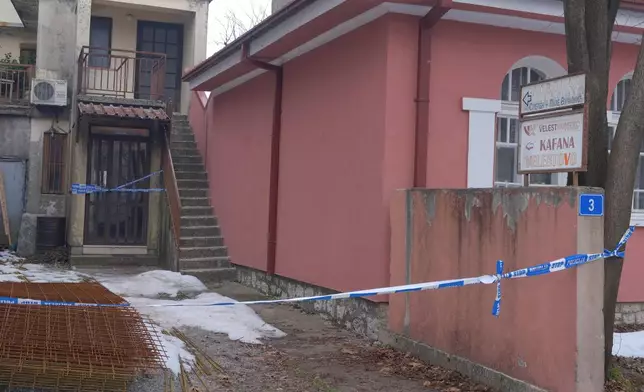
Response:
column 84, row 189
column 541, row 269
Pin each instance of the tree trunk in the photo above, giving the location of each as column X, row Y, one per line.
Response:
column 589, row 26
column 622, row 167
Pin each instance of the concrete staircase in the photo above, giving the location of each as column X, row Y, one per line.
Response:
column 202, row 252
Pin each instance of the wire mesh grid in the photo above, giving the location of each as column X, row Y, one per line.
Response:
column 74, row 348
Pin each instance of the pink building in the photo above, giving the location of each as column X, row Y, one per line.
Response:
column 321, row 112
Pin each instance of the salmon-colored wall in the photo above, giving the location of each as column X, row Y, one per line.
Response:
column 439, row 235
column 348, row 108
column 238, row 159
column 347, row 143
column 631, row 288
column 471, row 60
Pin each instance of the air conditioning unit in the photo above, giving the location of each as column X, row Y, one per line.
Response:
column 49, row 92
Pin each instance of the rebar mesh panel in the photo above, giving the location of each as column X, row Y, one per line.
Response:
column 72, row 348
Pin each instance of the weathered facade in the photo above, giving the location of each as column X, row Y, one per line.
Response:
column 121, row 61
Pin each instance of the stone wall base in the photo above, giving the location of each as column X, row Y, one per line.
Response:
column 356, row 314
column 370, row 319
column 629, row 313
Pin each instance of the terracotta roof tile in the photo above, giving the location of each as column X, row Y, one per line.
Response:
column 137, row 112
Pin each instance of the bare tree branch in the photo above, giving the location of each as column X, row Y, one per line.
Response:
column 232, row 25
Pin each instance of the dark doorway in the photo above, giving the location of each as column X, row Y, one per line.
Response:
column 165, row 38
column 117, row 218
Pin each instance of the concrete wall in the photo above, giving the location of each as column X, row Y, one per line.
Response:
column 14, row 133
column 347, row 144
column 12, row 40
column 549, row 332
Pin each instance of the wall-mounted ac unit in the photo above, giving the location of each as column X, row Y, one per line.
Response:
column 49, row 92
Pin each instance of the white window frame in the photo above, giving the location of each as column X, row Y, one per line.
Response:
column 637, row 215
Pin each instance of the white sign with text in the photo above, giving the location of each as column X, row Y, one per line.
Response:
column 552, row 144
column 553, row 94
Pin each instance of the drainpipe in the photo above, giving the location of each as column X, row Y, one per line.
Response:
column 425, row 26
column 275, row 155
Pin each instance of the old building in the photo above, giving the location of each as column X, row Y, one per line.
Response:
column 87, row 92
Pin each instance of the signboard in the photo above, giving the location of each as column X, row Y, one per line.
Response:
column 549, row 144
column 553, row 94
column 591, row 204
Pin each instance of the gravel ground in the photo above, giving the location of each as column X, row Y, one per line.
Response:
column 315, row 356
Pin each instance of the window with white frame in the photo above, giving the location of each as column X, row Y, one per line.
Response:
column 617, row 102
column 508, row 128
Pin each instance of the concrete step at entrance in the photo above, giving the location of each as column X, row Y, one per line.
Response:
column 192, row 184
column 181, row 175
column 212, row 275
column 203, row 252
column 188, row 167
column 196, row 211
column 187, row 159
column 197, row 242
column 200, row 231
column 114, row 260
column 195, row 201
column 205, row 262
column 193, row 193
column 190, row 221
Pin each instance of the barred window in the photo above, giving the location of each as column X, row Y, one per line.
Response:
column 53, row 169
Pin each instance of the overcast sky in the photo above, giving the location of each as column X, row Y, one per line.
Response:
column 217, row 13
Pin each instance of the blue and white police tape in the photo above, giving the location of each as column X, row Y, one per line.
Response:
column 84, row 189
column 541, row 269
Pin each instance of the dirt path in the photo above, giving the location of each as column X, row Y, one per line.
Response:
column 316, row 356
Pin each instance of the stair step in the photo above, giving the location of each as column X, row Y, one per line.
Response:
column 217, row 253
column 183, row 144
column 184, row 152
column 200, row 231
column 188, row 167
column 189, row 221
column 114, row 260
column 195, row 201
column 181, row 175
column 196, row 211
column 182, row 137
column 193, row 193
column 187, row 159
column 204, row 262
column 201, row 252
column 192, row 184
column 212, row 275
column 201, row 241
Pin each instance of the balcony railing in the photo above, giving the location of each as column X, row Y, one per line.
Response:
column 119, row 73
column 15, row 83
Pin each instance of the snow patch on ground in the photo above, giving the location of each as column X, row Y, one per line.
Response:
column 239, row 322
column 629, row 344
column 152, row 284
column 12, row 271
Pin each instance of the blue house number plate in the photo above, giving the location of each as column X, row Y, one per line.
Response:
column 591, row 204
